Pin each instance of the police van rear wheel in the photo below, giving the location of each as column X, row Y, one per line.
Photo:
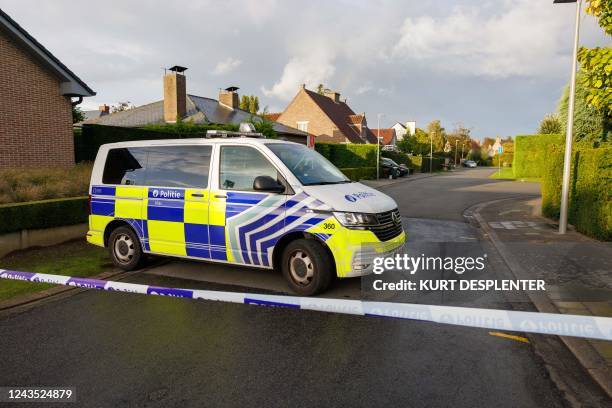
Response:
column 124, row 248
column 307, row 267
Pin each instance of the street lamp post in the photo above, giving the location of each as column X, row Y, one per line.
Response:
column 570, row 122
column 431, row 152
column 378, row 146
column 456, row 141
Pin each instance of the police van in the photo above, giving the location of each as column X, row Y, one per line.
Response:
column 252, row 201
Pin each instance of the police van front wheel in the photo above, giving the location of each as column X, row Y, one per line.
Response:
column 307, row 267
column 124, row 248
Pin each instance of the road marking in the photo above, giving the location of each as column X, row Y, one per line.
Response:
column 510, row 336
column 593, row 327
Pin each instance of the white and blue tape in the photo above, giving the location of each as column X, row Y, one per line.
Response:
column 593, row 327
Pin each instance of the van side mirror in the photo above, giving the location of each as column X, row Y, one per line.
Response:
column 268, row 184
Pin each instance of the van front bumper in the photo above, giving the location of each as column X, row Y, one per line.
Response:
column 362, row 259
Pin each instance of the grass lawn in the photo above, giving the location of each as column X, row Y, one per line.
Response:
column 508, row 174
column 75, row 258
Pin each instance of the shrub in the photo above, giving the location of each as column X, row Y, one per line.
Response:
column 30, row 184
column 348, row 155
column 436, row 165
column 399, row 158
column 590, row 200
column 360, row 173
column 88, row 141
column 530, row 154
column 550, row 125
column 416, row 162
column 43, row 214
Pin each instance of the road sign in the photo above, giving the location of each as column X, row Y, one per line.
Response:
column 500, row 149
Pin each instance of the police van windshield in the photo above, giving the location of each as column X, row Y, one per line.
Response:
column 307, row 165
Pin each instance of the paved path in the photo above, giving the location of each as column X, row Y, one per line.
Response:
column 130, row 350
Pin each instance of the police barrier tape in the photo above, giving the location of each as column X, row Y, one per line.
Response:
column 544, row 323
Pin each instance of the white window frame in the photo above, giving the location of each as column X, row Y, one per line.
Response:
column 302, row 125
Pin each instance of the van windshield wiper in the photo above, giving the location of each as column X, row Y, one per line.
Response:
column 321, row 183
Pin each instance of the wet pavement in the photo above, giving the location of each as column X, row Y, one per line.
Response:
column 129, row 350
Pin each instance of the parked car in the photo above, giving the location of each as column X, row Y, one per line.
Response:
column 401, row 168
column 470, row 163
column 389, row 169
column 390, row 148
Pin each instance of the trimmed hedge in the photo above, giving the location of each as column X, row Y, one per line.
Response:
column 530, row 154
column 360, row 173
column 399, row 158
column 438, row 164
column 43, row 214
column 348, row 155
column 91, row 137
column 590, row 201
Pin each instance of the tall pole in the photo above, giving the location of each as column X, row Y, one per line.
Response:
column 570, row 128
column 431, row 153
column 456, row 140
column 378, row 148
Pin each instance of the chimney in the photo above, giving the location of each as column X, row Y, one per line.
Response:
column 229, row 97
column 104, row 109
column 175, row 94
column 334, row 96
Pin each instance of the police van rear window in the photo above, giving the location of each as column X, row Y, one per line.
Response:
column 164, row 166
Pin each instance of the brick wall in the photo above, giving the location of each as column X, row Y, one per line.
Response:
column 35, row 120
column 303, row 108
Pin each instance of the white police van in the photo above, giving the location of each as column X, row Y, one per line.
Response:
column 241, row 200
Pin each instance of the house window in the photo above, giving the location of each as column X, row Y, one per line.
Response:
column 303, row 126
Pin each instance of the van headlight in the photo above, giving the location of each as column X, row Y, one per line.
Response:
column 350, row 219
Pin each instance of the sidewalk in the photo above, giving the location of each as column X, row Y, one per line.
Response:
column 576, row 268
column 384, row 182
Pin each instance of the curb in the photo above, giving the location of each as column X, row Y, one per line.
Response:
column 56, row 292
column 586, row 355
column 402, row 180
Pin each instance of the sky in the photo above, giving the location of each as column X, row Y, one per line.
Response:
column 496, row 67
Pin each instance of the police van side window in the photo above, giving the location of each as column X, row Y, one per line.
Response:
column 178, row 166
column 125, row 166
column 240, row 165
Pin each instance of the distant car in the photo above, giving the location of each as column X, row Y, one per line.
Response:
column 470, row 163
column 389, row 168
column 390, row 148
column 401, row 169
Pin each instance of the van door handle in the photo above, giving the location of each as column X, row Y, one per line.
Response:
column 220, row 196
column 197, row 195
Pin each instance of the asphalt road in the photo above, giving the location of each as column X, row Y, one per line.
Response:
column 127, row 350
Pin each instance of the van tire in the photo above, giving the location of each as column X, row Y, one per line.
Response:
column 307, row 267
column 125, row 250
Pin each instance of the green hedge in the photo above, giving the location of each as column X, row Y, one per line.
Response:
column 348, row 155
column 43, row 214
column 438, row 163
column 530, row 154
column 360, row 173
column 416, row 162
column 397, row 157
column 590, row 202
column 91, row 137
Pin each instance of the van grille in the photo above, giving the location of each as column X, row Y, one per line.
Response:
column 387, row 229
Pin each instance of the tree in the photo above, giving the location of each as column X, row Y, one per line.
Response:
column 550, row 125
column 245, row 103
column 438, row 134
column 320, row 89
column 591, row 125
column 77, row 114
column 596, row 63
column 122, row 107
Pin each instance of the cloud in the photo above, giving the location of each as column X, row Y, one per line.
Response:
column 301, row 70
column 520, row 39
column 227, row 65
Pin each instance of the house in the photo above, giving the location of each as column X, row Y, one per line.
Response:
column 37, row 91
column 387, row 136
column 403, row 129
column 179, row 105
column 326, row 117
column 94, row 114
